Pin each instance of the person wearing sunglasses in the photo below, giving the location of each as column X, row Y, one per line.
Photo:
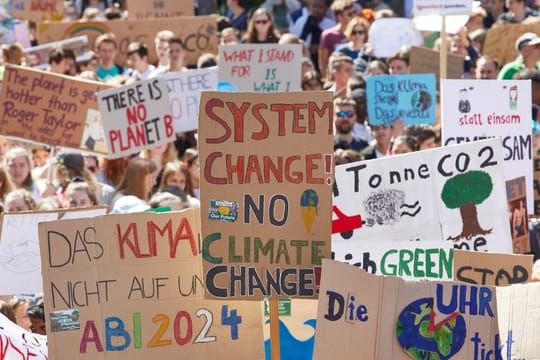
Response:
column 357, row 34
column 344, row 120
column 330, row 38
column 261, row 28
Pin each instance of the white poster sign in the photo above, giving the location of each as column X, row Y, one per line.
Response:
column 388, row 35
column 441, row 7
column 17, row 343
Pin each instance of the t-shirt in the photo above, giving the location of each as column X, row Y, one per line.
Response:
column 106, row 74
column 330, row 38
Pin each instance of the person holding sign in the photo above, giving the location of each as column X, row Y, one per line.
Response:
column 528, row 46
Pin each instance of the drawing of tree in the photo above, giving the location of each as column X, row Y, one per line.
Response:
column 465, row 191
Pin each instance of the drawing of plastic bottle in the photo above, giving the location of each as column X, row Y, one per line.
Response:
column 513, row 97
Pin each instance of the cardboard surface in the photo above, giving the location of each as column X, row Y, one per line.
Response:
column 517, row 208
column 198, row 33
column 411, row 97
column 491, row 269
column 19, row 247
column 136, row 117
column 417, row 196
column 467, row 116
column 39, row 55
column 185, row 94
column 260, row 67
column 38, row 10
column 265, row 192
column 135, row 290
column 424, row 60
column 501, row 40
column 159, row 9
column 46, row 108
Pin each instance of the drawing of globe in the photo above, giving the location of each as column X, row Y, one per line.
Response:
column 415, row 337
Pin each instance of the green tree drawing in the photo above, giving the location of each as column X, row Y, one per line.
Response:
column 465, row 191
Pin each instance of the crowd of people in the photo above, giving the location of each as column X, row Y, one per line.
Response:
column 338, row 57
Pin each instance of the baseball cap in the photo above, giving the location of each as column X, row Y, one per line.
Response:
column 527, row 39
column 71, row 160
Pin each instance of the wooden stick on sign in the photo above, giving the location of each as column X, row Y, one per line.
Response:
column 274, row 328
column 444, row 50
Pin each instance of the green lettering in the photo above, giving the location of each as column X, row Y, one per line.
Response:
column 405, row 257
column 282, row 250
column 316, row 258
column 446, row 262
column 259, row 248
column 383, row 264
column 418, row 263
column 232, row 250
column 299, row 244
column 430, row 264
column 206, row 248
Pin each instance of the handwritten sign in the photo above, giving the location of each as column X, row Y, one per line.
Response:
column 421, row 196
column 38, row 56
column 45, row 108
column 517, row 207
column 198, row 33
column 185, row 93
column 398, row 319
column 260, row 67
column 406, row 259
column 469, row 117
column 441, row 7
column 38, row 10
column 18, row 343
column 19, row 248
column 409, row 97
column 501, row 40
column 266, row 175
column 388, row 35
column 136, row 117
column 158, row 9
column 131, row 286
column 491, row 269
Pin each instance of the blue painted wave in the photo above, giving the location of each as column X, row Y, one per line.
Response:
column 291, row 348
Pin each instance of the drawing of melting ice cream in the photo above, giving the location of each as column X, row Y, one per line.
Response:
column 309, row 202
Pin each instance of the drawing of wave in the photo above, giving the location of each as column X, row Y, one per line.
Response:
column 292, row 348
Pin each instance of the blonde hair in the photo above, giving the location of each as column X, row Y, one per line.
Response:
column 84, row 187
column 355, row 21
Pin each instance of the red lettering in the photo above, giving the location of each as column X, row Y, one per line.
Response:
column 234, row 168
column 281, row 109
column 238, row 114
column 298, row 175
column 131, row 239
column 263, row 134
column 327, row 109
column 169, row 131
column 253, row 167
column 297, row 116
column 210, row 105
column 208, row 169
column 183, row 232
column 90, row 334
column 113, row 136
column 310, row 166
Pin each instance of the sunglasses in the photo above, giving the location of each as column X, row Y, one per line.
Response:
column 358, row 32
column 350, row 14
column 342, row 114
column 261, row 21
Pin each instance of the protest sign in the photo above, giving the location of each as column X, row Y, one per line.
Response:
column 266, row 175
column 411, row 98
column 46, row 108
column 426, row 61
column 468, row 116
column 158, row 9
column 260, row 67
column 454, row 194
column 38, row 56
column 17, row 343
column 491, row 269
column 398, row 319
column 501, row 40
column 6, row 26
column 517, row 207
column 388, row 35
column 131, row 286
column 406, row 259
column 185, row 93
column 198, row 34
column 536, row 164
column 136, row 117
column 38, row 10
column 441, row 7
column 297, row 319
column 19, row 248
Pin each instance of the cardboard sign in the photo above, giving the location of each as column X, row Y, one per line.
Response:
column 131, row 286
column 491, row 269
column 38, row 10
column 46, row 108
column 398, row 319
column 198, row 33
column 426, row 61
column 536, row 164
column 388, row 35
column 185, row 94
column 453, row 194
column 136, row 117
column 297, row 329
column 158, row 9
column 19, row 249
column 18, row 343
column 406, row 259
column 467, row 116
column 266, row 175
column 441, row 7
column 501, row 40
column 38, row 56
column 517, row 208
column 260, row 67
column 409, row 97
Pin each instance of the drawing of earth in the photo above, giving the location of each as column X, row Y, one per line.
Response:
column 419, row 342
